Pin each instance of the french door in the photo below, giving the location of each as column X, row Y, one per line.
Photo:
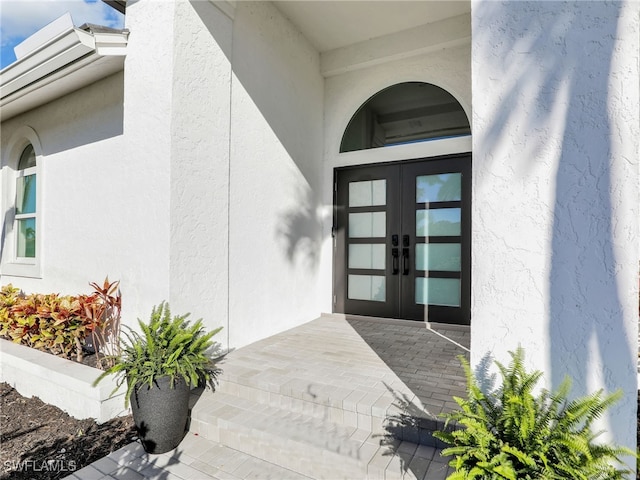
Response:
column 402, row 240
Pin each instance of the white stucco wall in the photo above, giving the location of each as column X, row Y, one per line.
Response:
column 209, row 165
column 200, row 109
column 555, row 195
column 276, row 156
column 147, row 145
column 89, row 229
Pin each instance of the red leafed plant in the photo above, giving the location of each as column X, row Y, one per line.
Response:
column 60, row 324
column 105, row 315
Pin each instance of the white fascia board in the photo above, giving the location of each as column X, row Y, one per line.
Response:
column 82, row 72
column 110, row 43
column 43, row 36
column 75, row 55
column 60, row 51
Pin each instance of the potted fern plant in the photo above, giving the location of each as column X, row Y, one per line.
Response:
column 160, row 365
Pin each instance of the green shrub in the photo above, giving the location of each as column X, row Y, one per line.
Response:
column 511, row 434
column 165, row 347
column 50, row 322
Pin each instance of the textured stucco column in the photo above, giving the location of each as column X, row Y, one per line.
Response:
column 200, row 130
column 555, row 195
column 147, row 135
column 177, row 84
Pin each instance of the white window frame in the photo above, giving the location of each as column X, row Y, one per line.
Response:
column 10, row 263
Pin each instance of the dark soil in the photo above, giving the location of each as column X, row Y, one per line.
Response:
column 40, row 441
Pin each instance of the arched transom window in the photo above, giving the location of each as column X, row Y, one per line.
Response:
column 405, row 113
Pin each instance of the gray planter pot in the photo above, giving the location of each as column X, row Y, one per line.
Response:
column 161, row 413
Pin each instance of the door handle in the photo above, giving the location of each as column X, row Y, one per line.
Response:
column 395, row 261
column 405, row 254
column 405, row 261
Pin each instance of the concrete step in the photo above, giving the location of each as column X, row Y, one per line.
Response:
column 373, row 408
column 309, row 445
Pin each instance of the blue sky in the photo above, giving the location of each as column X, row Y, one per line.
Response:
column 21, row 18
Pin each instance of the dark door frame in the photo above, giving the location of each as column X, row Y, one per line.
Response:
column 400, row 200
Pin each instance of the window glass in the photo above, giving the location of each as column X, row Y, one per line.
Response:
column 27, row 237
column 368, row 193
column 367, row 224
column 26, row 194
column 405, row 113
column 367, row 287
column 438, row 222
column 445, row 257
column 438, row 291
column 25, row 206
column 27, row 159
column 367, row 255
column 446, row 187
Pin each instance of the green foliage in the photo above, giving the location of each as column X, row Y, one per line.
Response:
column 510, row 433
column 164, row 347
column 48, row 322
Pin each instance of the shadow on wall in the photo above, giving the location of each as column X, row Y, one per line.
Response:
column 567, row 87
column 300, row 230
column 275, row 72
column 92, row 114
column 279, row 74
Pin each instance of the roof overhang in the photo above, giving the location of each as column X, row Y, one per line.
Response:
column 119, row 5
column 69, row 59
column 332, row 25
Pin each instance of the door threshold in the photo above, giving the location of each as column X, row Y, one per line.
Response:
column 400, row 321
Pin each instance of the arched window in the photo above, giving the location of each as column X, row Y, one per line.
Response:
column 25, row 206
column 21, row 205
column 405, row 113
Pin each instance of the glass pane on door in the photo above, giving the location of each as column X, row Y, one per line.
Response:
column 438, row 291
column 446, row 187
column 367, row 287
column 444, row 257
column 438, row 222
column 368, row 193
column 367, row 225
column 367, row 255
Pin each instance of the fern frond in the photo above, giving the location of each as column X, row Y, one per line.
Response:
column 166, row 346
column 511, row 433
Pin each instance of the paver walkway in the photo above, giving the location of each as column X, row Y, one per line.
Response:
column 199, row 459
column 334, row 398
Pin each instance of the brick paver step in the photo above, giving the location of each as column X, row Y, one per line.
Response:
column 310, row 446
column 374, row 412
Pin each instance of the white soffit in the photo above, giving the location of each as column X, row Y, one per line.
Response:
column 330, row 25
column 55, row 61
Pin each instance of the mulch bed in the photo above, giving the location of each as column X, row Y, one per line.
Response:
column 40, row 441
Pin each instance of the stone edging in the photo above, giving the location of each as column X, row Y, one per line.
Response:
column 60, row 382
